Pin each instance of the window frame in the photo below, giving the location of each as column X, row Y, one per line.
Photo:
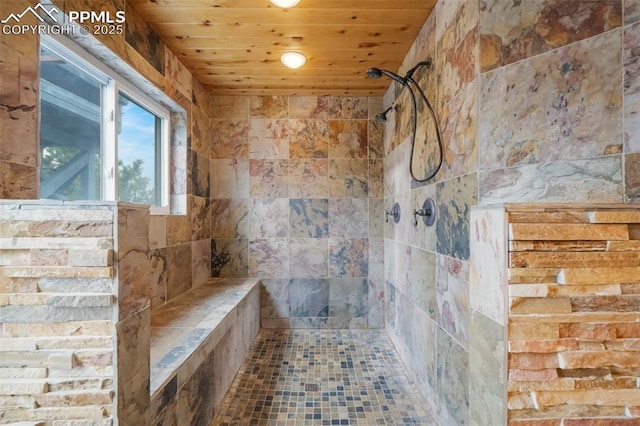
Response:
column 113, row 85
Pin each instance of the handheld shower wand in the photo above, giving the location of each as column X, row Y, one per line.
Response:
column 406, row 81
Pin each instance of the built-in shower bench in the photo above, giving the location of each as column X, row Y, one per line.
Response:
column 198, row 341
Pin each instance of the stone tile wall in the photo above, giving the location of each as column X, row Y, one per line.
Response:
column 559, row 349
column 296, row 188
column 63, row 307
column 74, row 303
column 536, row 104
column 427, row 268
column 573, row 315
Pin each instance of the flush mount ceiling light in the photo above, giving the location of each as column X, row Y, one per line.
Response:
column 285, row 4
column 293, row 59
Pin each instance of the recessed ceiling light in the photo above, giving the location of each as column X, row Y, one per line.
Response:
column 293, row 59
column 285, row 4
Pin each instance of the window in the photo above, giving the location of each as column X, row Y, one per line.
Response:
column 100, row 137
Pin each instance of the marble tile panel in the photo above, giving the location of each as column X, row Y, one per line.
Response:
column 229, row 258
column 376, row 258
column 200, row 132
column 178, row 270
column 309, row 218
column 179, row 159
column 487, row 368
column 230, row 178
column 632, row 177
column 351, row 107
column 308, row 257
column 376, row 178
column 309, row 298
column 19, row 88
column 631, row 11
column 400, row 119
column 510, row 32
column 268, row 106
column 309, row 322
column 133, row 367
column 459, row 126
column 133, row 398
column 26, row 44
column 348, row 138
column 423, row 236
column 133, row 261
column 402, row 265
column 403, row 229
column 349, row 217
column 268, row 178
column 269, row 218
column 158, row 276
column 199, row 217
column 631, row 63
column 200, row 97
column 178, row 229
column 349, row 178
column 396, row 170
column 389, row 260
column 453, row 380
column 309, row 178
column 134, row 335
column 314, row 107
column 596, row 181
column 200, row 261
column 415, row 338
column 375, row 294
column 144, row 40
column 230, row 218
column 376, row 218
column 348, row 257
column 453, row 298
column 422, row 288
column 376, row 138
column 229, row 107
column 533, row 111
column 229, row 138
column 390, row 306
column 375, row 106
column 454, row 200
column 18, row 181
column 192, row 408
column 274, row 298
column 269, row 258
column 268, row 139
column 309, row 138
column 177, row 74
column 457, row 46
column 157, row 231
column 488, row 263
column 348, row 297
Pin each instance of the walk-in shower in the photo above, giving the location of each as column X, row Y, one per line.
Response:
column 407, row 81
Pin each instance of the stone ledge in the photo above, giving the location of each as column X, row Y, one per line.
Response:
column 185, row 330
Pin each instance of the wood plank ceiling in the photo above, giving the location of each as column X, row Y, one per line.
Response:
column 234, row 46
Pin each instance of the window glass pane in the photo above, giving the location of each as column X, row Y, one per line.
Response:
column 70, row 132
column 139, row 148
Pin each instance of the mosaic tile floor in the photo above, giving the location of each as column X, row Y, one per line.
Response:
column 322, row 377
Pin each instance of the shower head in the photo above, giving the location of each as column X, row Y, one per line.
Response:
column 381, row 117
column 377, row 73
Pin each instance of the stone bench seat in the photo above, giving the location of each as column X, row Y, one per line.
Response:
column 200, row 336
